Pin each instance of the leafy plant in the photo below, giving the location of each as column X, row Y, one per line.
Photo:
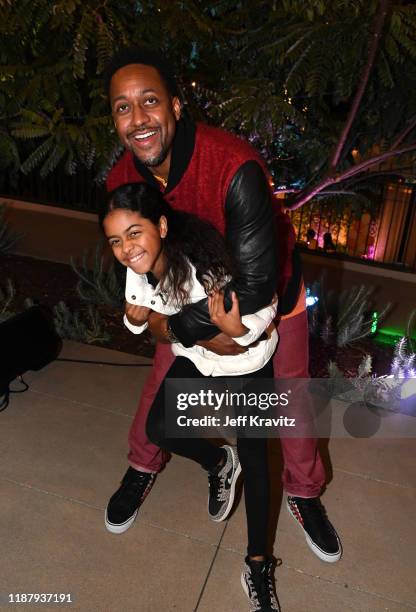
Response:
column 98, row 285
column 404, row 360
column 7, row 295
column 375, row 391
column 75, row 326
column 410, row 330
column 344, row 318
column 8, row 237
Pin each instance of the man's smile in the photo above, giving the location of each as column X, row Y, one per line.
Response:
column 143, row 136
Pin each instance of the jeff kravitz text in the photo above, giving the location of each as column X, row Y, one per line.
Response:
column 239, row 421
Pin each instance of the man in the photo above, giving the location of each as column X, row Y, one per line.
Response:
column 219, row 177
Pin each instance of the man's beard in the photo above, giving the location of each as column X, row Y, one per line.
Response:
column 157, row 160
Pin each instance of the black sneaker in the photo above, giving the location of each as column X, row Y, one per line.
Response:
column 222, row 482
column 320, row 535
column 258, row 584
column 124, row 505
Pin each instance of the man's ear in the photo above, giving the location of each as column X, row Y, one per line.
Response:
column 176, row 107
column 163, row 226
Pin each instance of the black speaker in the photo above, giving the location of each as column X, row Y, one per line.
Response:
column 28, row 341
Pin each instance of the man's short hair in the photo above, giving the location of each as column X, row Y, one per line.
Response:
column 146, row 56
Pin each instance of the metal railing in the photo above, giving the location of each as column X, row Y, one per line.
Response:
column 383, row 234
column 78, row 192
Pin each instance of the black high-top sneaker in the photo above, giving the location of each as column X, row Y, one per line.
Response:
column 222, row 482
column 258, row 584
column 320, row 535
column 124, row 505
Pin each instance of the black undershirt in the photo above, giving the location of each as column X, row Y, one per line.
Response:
column 182, row 151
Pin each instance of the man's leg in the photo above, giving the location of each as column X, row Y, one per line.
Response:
column 303, row 473
column 145, row 458
column 144, row 455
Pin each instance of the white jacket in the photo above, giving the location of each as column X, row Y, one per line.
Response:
column 140, row 292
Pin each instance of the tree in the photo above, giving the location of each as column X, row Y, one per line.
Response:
column 348, row 68
column 52, row 55
column 324, row 88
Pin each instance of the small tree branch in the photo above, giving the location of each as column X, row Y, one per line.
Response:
column 395, row 172
column 312, row 192
column 357, row 169
column 379, row 20
column 411, row 124
column 373, row 161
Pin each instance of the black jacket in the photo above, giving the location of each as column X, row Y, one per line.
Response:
column 251, row 240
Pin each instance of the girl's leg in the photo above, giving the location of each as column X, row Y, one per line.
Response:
column 257, row 577
column 200, row 450
column 222, row 464
column 252, row 453
column 253, row 457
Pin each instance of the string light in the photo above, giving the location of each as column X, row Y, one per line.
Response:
column 374, row 322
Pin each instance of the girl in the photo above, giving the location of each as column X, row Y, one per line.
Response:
column 174, row 259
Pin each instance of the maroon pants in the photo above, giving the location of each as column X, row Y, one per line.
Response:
column 303, row 473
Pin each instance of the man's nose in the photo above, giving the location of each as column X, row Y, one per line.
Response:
column 139, row 115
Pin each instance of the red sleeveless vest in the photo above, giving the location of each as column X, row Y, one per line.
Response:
column 203, row 187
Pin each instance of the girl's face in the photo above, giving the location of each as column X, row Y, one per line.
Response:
column 136, row 242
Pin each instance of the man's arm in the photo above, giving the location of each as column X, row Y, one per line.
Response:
column 251, row 239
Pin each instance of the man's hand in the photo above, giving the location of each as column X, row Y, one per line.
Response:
column 136, row 315
column 228, row 322
column 158, row 326
column 222, row 345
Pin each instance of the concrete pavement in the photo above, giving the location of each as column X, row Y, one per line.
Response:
column 63, row 448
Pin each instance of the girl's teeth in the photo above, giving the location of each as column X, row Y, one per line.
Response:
column 136, row 258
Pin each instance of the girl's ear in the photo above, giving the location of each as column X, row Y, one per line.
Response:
column 163, row 226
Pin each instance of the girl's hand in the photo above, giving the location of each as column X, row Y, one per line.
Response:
column 228, row 322
column 136, row 315
column 158, row 327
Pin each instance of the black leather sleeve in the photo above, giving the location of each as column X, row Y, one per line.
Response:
column 251, row 239
column 290, row 296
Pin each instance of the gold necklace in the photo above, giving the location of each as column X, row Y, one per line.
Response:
column 161, row 180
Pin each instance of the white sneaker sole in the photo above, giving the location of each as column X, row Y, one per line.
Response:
column 119, row 528
column 323, row 556
column 232, row 492
column 244, row 584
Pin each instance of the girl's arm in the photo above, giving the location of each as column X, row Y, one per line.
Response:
column 136, row 317
column 246, row 329
column 135, row 314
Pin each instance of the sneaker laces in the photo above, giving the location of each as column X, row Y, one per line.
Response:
column 216, row 480
column 267, row 593
column 313, row 509
column 262, row 587
column 217, row 477
column 137, row 484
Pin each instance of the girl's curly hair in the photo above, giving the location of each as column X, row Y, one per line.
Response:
column 189, row 239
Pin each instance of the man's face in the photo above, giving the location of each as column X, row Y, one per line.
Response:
column 144, row 114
